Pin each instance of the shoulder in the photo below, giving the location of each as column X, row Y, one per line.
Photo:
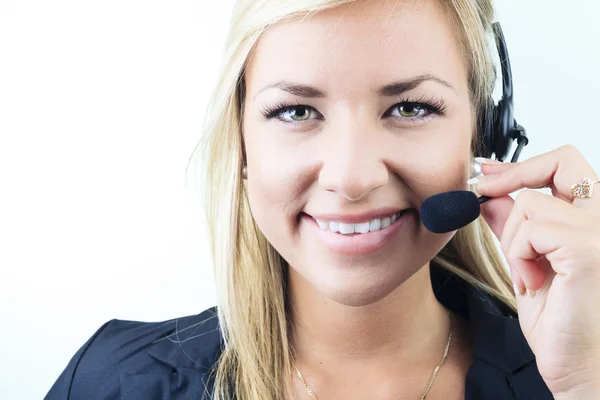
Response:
column 123, row 357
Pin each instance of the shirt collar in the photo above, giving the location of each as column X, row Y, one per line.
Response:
column 195, row 342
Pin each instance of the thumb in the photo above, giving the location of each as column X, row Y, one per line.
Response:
column 496, row 212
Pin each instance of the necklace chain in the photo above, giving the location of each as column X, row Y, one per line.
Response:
column 435, row 371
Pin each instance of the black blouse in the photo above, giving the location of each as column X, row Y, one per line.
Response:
column 134, row 360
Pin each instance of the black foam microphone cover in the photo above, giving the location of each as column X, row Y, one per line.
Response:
column 449, row 211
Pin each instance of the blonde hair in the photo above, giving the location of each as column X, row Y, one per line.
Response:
column 250, row 275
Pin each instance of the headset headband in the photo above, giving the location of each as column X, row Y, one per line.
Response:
column 504, row 128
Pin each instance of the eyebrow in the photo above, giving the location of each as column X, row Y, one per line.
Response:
column 393, row 89
column 397, row 88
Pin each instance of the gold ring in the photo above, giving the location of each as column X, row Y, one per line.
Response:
column 584, row 189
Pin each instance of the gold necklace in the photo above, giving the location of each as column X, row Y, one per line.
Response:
column 435, row 371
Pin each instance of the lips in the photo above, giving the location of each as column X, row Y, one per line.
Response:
column 355, row 244
column 379, row 213
column 360, row 227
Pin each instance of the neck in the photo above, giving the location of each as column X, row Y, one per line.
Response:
column 406, row 326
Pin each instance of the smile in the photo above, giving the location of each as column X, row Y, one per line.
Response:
column 359, row 228
column 355, row 239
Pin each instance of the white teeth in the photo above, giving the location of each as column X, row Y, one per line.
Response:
column 363, row 227
column 346, row 228
column 385, row 222
column 334, row 226
column 375, row 225
column 322, row 225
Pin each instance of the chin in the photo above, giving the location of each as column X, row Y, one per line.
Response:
column 358, row 292
column 356, row 299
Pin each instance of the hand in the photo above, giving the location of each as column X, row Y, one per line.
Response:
column 552, row 245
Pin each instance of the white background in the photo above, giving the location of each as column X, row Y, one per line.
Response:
column 101, row 105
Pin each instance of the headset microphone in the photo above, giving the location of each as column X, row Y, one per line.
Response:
column 449, row 211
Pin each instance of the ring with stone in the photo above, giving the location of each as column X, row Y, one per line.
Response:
column 584, row 189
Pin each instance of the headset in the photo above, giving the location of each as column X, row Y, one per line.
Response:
column 497, row 124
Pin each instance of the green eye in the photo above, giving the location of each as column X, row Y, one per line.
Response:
column 410, row 110
column 299, row 113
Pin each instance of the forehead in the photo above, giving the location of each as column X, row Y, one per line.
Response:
column 364, row 43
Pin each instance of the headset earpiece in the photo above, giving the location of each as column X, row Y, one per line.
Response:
column 485, row 129
column 504, row 124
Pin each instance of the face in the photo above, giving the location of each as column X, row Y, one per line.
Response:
column 353, row 115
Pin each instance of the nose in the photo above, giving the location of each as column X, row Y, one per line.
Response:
column 353, row 161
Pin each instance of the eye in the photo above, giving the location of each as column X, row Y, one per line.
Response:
column 297, row 113
column 291, row 113
column 410, row 110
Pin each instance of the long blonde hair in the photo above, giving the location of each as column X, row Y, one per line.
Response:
column 250, row 275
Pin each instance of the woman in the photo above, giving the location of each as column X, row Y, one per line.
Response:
column 332, row 122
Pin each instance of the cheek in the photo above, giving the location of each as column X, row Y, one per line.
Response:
column 274, row 188
column 444, row 166
column 270, row 193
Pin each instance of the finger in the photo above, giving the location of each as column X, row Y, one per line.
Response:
column 534, row 242
column 496, row 212
column 493, row 169
column 566, row 249
column 559, row 169
column 535, row 206
column 522, row 257
column 505, row 216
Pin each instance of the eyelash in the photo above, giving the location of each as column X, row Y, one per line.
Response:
column 431, row 106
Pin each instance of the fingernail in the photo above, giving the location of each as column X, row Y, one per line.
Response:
column 483, row 160
column 531, row 293
column 476, row 168
column 473, row 181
